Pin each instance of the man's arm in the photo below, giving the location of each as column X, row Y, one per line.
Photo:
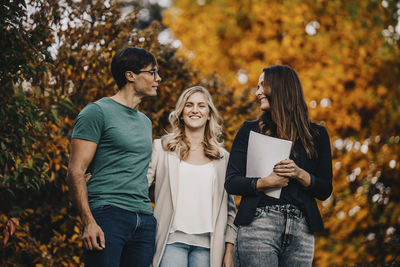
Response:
column 228, row 256
column 82, row 153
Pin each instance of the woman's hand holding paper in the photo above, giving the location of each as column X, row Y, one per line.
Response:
column 288, row 168
column 272, row 180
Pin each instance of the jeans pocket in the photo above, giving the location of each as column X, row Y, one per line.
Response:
column 148, row 221
column 154, row 220
column 305, row 224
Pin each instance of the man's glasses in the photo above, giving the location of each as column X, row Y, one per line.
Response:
column 153, row 71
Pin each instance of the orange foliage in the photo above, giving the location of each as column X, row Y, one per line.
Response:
column 351, row 78
column 349, row 71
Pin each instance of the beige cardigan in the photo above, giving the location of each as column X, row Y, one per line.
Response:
column 164, row 171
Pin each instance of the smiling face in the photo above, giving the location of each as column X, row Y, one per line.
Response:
column 146, row 83
column 263, row 94
column 196, row 111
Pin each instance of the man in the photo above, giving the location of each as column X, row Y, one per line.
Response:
column 112, row 141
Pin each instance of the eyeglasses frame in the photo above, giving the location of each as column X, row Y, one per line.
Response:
column 152, row 71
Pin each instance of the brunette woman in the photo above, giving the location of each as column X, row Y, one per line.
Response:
column 279, row 231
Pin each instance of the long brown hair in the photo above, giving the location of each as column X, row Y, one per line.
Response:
column 176, row 140
column 287, row 117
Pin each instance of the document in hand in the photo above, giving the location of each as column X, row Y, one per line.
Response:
column 263, row 152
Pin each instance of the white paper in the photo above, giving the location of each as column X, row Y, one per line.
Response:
column 263, row 152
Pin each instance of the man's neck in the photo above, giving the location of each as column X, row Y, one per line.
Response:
column 128, row 97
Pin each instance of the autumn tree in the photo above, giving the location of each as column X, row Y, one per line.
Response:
column 24, row 57
column 347, row 56
column 70, row 57
column 345, row 52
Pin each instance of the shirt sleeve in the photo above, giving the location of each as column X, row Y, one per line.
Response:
column 321, row 180
column 89, row 124
column 236, row 181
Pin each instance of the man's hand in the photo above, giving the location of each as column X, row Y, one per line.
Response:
column 87, row 177
column 9, row 230
column 93, row 237
column 228, row 257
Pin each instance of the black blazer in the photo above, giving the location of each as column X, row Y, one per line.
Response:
column 319, row 168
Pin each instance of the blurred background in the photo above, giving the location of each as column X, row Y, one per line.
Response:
column 55, row 58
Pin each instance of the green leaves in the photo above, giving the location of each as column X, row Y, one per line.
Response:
column 21, row 129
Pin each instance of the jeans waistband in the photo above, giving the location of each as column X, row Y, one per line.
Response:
column 288, row 209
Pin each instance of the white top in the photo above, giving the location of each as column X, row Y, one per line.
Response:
column 193, row 213
column 200, row 240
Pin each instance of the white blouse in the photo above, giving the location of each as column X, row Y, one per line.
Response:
column 193, row 213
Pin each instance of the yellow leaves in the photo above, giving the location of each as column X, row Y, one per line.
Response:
column 394, row 214
column 61, row 238
column 74, row 238
column 43, row 248
column 382, row 91
column 110, row 81
column 76, row 259
column 343, row 62
column 28, row 211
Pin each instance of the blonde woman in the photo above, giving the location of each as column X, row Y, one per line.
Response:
column 194, row 213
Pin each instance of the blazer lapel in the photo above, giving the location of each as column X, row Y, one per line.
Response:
column 173, row 163
column 219, row 188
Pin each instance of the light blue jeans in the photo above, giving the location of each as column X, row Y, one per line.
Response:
column 183, row 255
column 277, row 236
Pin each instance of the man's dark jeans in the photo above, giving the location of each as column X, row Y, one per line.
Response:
column 129, row 236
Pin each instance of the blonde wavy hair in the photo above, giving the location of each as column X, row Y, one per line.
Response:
column 176, row 140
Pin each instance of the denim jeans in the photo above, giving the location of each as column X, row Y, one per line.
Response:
column 183, row 255
column 129, row 236
column 277, row 236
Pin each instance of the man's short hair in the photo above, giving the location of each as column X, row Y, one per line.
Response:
column 130, row 59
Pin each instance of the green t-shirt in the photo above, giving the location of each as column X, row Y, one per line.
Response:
column 119, row 166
